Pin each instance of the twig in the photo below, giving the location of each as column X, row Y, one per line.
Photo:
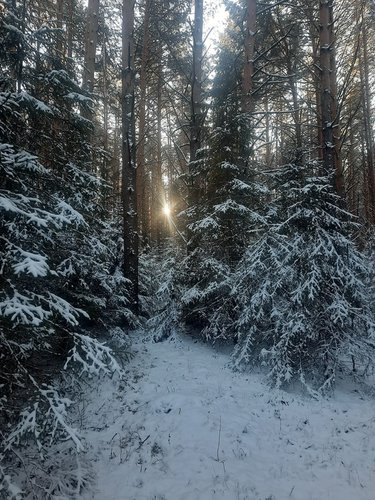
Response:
column 218, row 443
column 98, row 410
column 141, row 443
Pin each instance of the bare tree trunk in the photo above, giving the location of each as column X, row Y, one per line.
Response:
column 60, row 49
column 247, row 101
column 196, row 94
column 19, row 66
column 292, row 71
column 328, row 102
column 268, row 155
column 105, row 160
column 366, row 105
column 352, row 177
column 91, row 38
column 70, row 31
column 141, row 168
column 115, row 163
column 160, row 195
column 314, row 93
column 248, row 70
column 338, row 168
column 129, row 172
column 292, row 68
column 325, row 79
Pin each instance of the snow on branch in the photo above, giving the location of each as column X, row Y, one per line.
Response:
column 34, row 264
column 34, row 103
column 92, row 356
column 70, row 214
column 66, row 310
column 26, row 308
column 28, row 207
column 7, row 487
column 22, row 309
column 46, row 418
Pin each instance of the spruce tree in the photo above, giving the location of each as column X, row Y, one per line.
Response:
column 301, row 286
column 228, row 211
column 57, row 268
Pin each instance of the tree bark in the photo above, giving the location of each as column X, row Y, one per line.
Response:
column 196, row 96
column 247, row 101
column 366, row 106
column 91, row 38
column 105, row 160
column 160, row 195
column 129, row 172
column 142, row 200
column 328, row 102
column 70, row 30
column 248, row 70
column 60, row 49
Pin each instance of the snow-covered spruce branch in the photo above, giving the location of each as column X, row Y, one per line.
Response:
column 26, row 308
column 46, row 416
column 7, row 486
column 93, row 357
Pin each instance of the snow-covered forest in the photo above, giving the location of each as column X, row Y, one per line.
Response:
column 187, row 248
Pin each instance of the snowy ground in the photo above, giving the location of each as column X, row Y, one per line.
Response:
column 186, row 427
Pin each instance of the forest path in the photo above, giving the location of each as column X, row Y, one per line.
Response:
column 186, row 427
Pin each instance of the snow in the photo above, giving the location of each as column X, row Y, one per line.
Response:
column 206, row 223
column 186, row 427
column 21, row 309
column 36, row 103
column 75, row 96
column 64, row 309
column 69, row 214
column 32, row 263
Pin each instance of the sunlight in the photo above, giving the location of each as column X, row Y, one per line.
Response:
column 167, row 210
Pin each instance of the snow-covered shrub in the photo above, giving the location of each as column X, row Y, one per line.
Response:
column 301, row 286
column 150, row 264
column 207, row 303
column 164, row 290
column 92, row 275
column 369, row 249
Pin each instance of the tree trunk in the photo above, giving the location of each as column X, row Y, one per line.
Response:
column 105, row 160
column 247, row 101
column 315, row 93
column 129, row 172
column 91, row 37
column 338, row 168
column 19, row 68
column 328, row 102
column 366, row 105
column 196, row 96
column 141, row 168
column 70, row 31
column 115, row 163
column 60, row 43
column 160, row 195
column 248, row 70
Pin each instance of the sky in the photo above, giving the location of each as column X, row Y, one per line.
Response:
column 215, row 17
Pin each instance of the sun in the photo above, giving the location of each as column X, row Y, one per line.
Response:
column 167, row 210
